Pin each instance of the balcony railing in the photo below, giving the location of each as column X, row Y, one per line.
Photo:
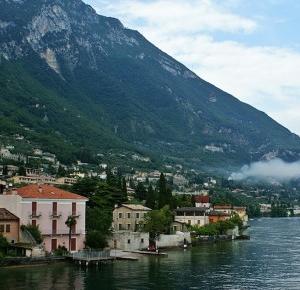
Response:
column 75, row 214
column 35, row 215
column 55, row 215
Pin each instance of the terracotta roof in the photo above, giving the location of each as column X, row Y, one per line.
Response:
column 225, row 206
column 7, row 215
column 202, row 198
column 136, row 207
column 44, row 191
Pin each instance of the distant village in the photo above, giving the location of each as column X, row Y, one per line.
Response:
column 40, row 215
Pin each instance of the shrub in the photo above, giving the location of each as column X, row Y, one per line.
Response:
column 60, row 251
column 35, row 232
column 95, row 240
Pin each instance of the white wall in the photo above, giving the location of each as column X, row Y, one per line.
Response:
column 169, row 241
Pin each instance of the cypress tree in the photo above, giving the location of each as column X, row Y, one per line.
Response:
column 162, row 191
column 151, row 198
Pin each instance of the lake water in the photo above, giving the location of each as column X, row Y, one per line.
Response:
column 270, row 260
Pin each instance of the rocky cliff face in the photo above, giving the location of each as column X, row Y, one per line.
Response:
column 118, row 87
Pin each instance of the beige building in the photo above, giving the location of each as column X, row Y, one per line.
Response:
column 128, row 217
column 9, row 225
column 192, row 216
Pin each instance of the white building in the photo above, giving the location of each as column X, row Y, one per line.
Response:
column 192, row 216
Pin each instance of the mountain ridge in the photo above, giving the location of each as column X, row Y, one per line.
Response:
column 64, row 66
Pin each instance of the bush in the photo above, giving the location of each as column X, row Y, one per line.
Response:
column 95, row 240
column 60, row 251
column 3, row 246
column 34, row 231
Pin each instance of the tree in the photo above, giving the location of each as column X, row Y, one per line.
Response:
column 3, row 245
column 95, row 240
column 61, row 172
column 164, row 193
column 157, row 222
column 5, row 170
column 22, row 171
column 140, row 191
column 151, row 198
column 34, row 231
column 70, row 223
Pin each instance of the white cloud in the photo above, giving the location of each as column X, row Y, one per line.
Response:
column 265, row 77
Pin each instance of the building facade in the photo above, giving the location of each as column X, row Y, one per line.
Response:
column 192, row 216
column 9, row 226
column 48, row 208
column 202, row 201
column 128, row 217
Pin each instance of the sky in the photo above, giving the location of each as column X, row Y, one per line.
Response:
column 250, row 49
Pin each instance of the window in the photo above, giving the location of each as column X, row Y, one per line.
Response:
column 73, row 208
column 120, row 215
column 198, row 222
column 53, row 244
column 73, row 229
column 8, row 228
column 128, row 227
column 137, row 215
column 142, row 241
column 33, row 222
column 1, row 228
column 54, row 227
column 73, row 244
column 128, row 241
column 33, row 208
column 120, row 227
column 175, row 228
column 189, row 222
column 128, row 215
column 54, row 208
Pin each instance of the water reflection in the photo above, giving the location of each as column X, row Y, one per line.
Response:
column 270, row 260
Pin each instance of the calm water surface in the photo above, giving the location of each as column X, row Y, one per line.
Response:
column 270, row 260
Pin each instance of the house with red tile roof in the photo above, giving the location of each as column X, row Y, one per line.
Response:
column 48, row 207
column 202, row 201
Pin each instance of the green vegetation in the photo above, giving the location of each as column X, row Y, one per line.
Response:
column 70, row 223
column 34, row 231
column 117, row 101
column 102, row 198
column 157, row 222
column 218, row 228
column 3, row 246
column 279, row 209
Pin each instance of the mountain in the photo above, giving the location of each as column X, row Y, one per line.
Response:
column 72, row 82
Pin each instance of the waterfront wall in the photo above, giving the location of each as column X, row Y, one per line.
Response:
column 171, row 241
column 129, row 241
column 6, row 262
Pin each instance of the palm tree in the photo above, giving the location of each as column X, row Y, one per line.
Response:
column 70, row 222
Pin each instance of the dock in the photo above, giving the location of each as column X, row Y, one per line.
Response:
column 87, row 257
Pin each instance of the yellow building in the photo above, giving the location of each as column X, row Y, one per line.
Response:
column 128, row 217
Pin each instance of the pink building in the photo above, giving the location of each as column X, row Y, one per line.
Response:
column 49, row 207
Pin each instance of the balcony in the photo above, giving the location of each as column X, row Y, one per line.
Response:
column 55, row 215
column 35, row 215
column 75, row 214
